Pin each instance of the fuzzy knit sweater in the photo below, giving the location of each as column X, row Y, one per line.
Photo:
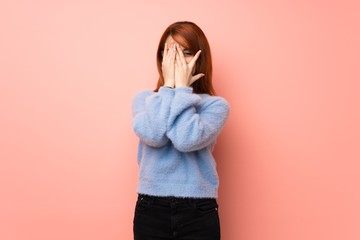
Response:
column 177, row 130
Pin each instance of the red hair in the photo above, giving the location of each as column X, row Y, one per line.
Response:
column 191, row 37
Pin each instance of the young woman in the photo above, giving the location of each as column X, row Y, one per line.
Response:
column 178, row 124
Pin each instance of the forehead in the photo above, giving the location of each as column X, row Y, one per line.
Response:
column 170, row 41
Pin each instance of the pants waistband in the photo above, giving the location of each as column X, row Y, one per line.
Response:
column 171, row 199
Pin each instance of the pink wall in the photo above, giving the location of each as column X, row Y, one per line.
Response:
column 288, row 158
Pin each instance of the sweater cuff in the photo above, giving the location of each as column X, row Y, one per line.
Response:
column 184, row 90
column 166, row 91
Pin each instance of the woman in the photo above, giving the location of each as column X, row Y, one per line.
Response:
column 177, row 124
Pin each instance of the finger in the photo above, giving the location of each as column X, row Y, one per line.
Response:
column 196, row 77
column 192, row 62
column 181, row 55
column 178, row 60
column 173, row 52
column 169, row 52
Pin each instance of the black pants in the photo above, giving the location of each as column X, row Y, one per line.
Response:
column 165, row 218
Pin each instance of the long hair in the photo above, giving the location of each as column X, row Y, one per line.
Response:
column 191, row 37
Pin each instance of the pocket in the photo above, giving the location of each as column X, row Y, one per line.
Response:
column 207, row 206
column 143, row 203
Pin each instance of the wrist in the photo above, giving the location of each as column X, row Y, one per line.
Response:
column 182, row 82
column 168, row 86
column 181, row 85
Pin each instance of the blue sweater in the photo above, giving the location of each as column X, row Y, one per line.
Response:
column 177, row 130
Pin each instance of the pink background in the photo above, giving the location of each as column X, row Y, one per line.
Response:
column 288, row 158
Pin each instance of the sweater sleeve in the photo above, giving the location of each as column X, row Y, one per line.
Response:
column 150, row 113
column 192, row 128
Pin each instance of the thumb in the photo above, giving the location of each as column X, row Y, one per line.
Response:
column 196, row 77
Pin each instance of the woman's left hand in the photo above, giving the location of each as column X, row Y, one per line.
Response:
column 184, row 70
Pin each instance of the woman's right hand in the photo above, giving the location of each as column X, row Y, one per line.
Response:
column 168, row 65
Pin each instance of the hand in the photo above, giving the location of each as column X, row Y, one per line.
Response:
column 168, row 66
column 184, row 70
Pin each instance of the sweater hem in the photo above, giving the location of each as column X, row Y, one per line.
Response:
column 177, row 190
